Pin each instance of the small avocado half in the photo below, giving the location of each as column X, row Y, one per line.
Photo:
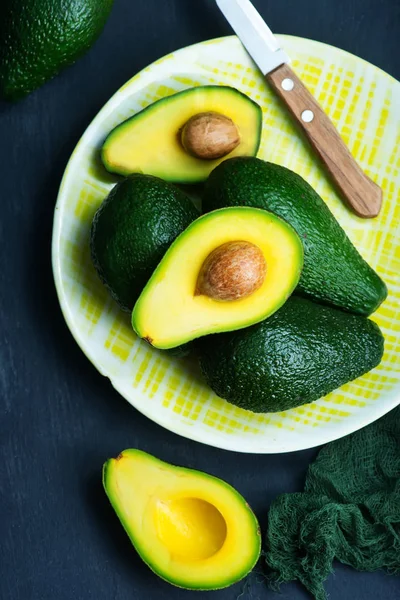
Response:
column 183, row 137
column 192, row 529
column 229, row 269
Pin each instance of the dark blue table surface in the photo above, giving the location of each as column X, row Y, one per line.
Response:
column 59, row 418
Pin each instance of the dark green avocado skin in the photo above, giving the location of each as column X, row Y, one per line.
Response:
column 132, row 230
column 40, row 37
column 334, row 272
column 301, row 353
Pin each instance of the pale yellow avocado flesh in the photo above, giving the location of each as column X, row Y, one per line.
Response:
column 168, row 313
column 149, row 142
column 192, row 529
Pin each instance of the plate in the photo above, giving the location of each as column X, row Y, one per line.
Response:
column 363, row 102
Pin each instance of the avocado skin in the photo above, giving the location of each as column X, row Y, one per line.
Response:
column 40, row 37
column 300, row 354
column 132, row 230
column 334, row 272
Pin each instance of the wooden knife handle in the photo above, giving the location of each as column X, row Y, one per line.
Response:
column 362, row 195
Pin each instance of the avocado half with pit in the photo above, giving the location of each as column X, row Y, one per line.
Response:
column 192, row 529
column 183, row 137
column 229, row 269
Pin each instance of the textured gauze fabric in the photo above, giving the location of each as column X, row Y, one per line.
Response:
column 349, row 511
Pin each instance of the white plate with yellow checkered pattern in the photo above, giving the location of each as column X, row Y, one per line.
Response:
column 364, row 102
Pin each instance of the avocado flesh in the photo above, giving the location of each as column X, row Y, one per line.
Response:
column 334, row 272
column 149, row 142
column 132, row 230
column 301, row 353
column 192, row 529
column 40, row 37
column 169, row 313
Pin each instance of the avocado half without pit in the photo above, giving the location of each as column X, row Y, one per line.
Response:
column 183, row 137
column 229, row 269
column 192, row 529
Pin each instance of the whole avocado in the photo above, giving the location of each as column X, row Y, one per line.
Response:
column 40, row 37
column 300, row 354
column 334, row 272
column 132, row 230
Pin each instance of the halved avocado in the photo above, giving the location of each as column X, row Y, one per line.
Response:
column 183, row 137
column 229, row 269
column 192, row 529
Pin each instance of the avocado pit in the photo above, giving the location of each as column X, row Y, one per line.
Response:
column 209, row 136
column 232, row 271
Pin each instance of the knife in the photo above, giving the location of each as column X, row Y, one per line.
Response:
column 362, row 195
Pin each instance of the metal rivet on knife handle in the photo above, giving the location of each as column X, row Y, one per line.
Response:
column 307, row 116
column 287, row 84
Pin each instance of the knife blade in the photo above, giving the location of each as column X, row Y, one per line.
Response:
column 254, row 34
column 362, row 195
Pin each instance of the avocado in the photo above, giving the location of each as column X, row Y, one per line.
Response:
column 334, row 272
column 301, row 353
column 132, row 230
column 229, row 269
column 192, row 529
column 182, row 137
column 39, row 38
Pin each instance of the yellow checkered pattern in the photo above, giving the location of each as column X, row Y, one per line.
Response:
column 364, row 104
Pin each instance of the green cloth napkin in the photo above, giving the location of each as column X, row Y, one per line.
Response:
column 349, row 511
